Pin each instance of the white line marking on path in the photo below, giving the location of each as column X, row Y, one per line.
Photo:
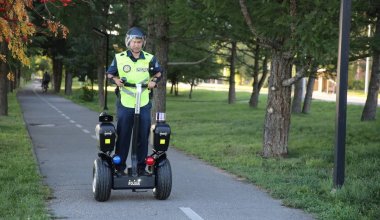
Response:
column 62, row 114
column 190, row 213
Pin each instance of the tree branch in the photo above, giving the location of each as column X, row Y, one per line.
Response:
column 299, row 74
column 189, row 63
column 248, row 20
column 213, row 52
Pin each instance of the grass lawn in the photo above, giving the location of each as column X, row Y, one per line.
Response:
column 22, row 195
column 230, row 137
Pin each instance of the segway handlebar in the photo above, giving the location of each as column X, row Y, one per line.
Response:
column 125, row 83
column 134, row 85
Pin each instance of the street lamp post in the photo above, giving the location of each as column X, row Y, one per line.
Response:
column 341, row 98
column 106, row 35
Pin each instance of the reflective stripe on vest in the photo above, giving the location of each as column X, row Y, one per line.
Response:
column 134, row 72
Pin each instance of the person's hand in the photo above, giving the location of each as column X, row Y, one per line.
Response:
column 151, row 85
column 118, row 81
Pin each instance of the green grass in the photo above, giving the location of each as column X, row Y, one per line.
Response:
column 22, row 195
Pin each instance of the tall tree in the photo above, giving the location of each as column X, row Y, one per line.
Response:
column 231, row 89
column 57, row 53
column 104, row 7
column 3, row 81
column 308, row 95
column 47, row 15
column 258, row 80
column 370, row 107
column 132, row 15
column 158, row 17
column 187, row 67
column 215, row 22
column 16, row 28
column 297, row 97
column 290, row 33
column 299, row 87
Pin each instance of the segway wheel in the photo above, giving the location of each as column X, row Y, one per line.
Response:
column 163, row 181
column 102, row 180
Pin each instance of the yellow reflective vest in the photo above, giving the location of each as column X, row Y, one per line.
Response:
column 134, row 72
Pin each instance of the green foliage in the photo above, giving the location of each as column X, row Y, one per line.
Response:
column 22, row 195
column 207, row 69
column 87, row 94
column 357, row 85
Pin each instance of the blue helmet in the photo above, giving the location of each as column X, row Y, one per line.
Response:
column 134, row 33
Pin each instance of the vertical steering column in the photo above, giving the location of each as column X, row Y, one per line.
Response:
column 136, row 126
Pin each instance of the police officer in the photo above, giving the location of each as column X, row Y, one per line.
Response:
column 135, row 66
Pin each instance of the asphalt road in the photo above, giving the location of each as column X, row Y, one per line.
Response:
column 64, row 142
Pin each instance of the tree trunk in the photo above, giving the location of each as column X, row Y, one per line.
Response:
column 172, row 88
column 231, row 90
column 308, row 95
column 68, row 83
column 277, row 118
column 297, row 97
column 151, row 32
column 3, row 82
column 10, row 82
column 191, row 89
column 18, row 77
column 131, row 15
column 176, row 88
column 256, row 94
column 254, row 100
column 370, row 107
column 57, row 73
column 162, row 31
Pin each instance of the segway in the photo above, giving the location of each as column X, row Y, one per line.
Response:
column 158, row 175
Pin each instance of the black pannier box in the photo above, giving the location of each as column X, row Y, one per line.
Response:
column 161, row 136
column 106, row 135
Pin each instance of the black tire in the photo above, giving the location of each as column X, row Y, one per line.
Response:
column 44, row 88
column 163, row 181
column 102, row 180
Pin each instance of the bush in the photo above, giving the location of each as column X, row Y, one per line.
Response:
column 87, row 94
column 357, row 85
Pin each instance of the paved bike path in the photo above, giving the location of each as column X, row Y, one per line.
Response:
column 64, row 142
